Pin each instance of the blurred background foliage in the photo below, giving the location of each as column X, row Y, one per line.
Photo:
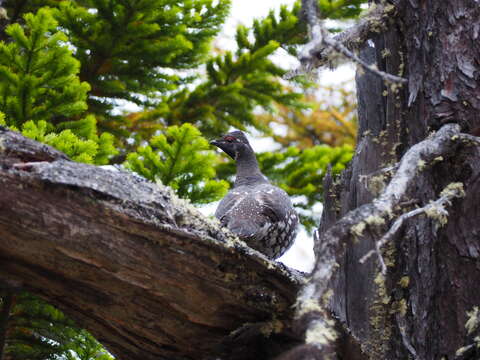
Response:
column 142, row 84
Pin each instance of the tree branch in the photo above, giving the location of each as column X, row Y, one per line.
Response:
column 322, row 47
column 435, row 209
column 142, row 270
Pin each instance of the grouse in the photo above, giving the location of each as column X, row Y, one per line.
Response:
column 259, row 213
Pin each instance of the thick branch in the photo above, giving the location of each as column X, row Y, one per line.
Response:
column 146, row 273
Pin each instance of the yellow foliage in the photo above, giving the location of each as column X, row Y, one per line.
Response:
column 330, row 120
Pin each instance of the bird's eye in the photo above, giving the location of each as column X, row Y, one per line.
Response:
column 229, row 139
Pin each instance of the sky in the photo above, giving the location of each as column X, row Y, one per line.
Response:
column 300, row 256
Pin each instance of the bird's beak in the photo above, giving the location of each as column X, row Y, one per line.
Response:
column 225, row 147
column 215, row 143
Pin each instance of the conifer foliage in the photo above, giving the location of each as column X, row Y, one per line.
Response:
column 40, row 90
column 180, row 158
column 38, row 331
column 39, row 72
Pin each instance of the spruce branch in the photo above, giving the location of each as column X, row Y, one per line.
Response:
column 179, row 158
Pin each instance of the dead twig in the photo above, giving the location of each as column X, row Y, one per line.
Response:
column 321, row 47
column 435, row 209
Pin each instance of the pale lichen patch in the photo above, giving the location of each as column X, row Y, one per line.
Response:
column 393, row 150
column 395, row 88
column 460, row 351
column 453, row 190
column 381, row 288
column 375, row 220
column 404, row 281
column 386, row 52
column 420, row 164
column 321, row 333
column 401, row 67
column 326, row 297
column 309, row 305
column 473, row 320
column 436, row 209
column 389, row 255
column 357, row 229
column 379, row 320
column 437, row 212
column 400, row 307
column 376, row 184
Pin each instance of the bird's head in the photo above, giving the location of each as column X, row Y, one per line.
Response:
column 234, row 143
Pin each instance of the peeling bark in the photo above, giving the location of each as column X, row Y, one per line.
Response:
column 149, row 276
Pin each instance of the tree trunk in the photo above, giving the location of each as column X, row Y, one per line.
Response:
column 147, row 274
column 419, row 309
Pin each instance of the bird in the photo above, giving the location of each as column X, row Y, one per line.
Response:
column 258, row 212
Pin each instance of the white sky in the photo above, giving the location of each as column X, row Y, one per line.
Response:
column 300, row 255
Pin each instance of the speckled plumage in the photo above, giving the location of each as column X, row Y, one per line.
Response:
column 258, row 212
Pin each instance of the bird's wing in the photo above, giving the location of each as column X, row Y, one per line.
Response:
column 251, row 213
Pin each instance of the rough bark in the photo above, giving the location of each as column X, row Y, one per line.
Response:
column 420, row 309
column 149, row 276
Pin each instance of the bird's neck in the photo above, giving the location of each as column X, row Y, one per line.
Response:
column 248, row 171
